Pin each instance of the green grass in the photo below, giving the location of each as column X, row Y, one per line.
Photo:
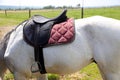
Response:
column 91, row 72
column 53, row 77
column 13, row 18
column 112, row 12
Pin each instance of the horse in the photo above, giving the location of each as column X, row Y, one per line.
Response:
column 97, row 39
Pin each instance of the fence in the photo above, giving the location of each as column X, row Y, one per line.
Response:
column 29, row 12
column 76, row 12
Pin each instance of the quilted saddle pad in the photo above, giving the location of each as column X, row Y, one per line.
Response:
column 63, row 32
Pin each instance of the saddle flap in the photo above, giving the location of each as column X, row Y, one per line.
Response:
column 35, row 34
column 43, row 34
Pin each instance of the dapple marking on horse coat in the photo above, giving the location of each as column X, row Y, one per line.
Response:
column 97, row 38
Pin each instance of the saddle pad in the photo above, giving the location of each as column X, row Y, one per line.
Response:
column 63, row 32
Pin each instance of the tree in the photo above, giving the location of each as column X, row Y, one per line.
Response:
column 49, row 7
column 78, row 5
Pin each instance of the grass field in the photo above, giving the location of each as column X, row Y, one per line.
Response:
column 15, row 17
column 90, row 72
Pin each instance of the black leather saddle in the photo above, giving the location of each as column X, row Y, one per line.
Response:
column 37, row 29
column 36, row 32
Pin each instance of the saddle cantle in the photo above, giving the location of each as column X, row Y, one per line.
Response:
column 37, row 29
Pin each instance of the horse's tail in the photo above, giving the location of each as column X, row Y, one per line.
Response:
column 3, row 46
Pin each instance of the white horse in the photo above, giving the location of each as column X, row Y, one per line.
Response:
column 97, row 39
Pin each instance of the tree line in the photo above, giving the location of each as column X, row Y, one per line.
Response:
column 45, row 7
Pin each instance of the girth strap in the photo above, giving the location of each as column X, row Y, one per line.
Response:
column 38, row 50
column 39, row 58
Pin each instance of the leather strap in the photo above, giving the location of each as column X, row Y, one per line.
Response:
column 39, row 58
column 38, row 53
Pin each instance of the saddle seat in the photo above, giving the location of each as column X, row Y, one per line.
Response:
column 37, row 29
column 41, row 19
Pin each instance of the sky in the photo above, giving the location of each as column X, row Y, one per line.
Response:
column 41, row 3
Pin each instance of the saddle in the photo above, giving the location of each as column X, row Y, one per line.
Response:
column 36, row 32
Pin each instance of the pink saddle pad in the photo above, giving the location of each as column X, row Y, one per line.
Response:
column 63, row 32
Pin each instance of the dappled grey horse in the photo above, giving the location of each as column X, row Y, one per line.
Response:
column 96, row 39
